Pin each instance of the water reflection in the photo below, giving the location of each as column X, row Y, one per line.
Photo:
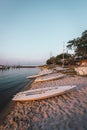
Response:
column 11, row 81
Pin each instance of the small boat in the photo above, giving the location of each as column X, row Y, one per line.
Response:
column 48, row 78
column 61, row 69
column 41, row 73
column 42, row 93
column 81, row 71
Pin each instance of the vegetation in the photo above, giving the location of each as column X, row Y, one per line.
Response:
column 80, row 49
column 52, row 60
column 63, row 58
column 59, row 59
column 79, row 45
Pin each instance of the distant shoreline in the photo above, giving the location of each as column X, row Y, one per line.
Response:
column 26, row 66
column 8, row 67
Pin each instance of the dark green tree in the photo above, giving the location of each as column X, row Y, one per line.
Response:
column 51, row 61
column 66, row 56
column 60, row 57
column 79, row 45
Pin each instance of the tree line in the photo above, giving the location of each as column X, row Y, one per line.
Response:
column 79, row 45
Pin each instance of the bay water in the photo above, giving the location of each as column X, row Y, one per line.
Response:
column 12, row 81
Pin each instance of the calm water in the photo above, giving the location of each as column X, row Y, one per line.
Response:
column 12, row 81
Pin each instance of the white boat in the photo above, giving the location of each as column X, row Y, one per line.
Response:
column 60, row 69
column 41, row 73
column 81, row 70
column 42, row 93
column 48, row 78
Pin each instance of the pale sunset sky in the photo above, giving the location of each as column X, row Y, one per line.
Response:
column 32, row 30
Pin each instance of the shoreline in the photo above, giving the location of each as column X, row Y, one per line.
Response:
column 9, row 107
column 67, row 111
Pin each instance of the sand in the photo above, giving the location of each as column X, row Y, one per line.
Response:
column 64, row 112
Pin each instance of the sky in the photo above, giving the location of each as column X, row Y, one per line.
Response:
column 33, row 30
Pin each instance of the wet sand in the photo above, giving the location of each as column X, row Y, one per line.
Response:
column 64, row 112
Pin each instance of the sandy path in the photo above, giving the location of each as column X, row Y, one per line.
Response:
column 65, row 112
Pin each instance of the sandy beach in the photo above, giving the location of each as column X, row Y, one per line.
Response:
column 64, row 112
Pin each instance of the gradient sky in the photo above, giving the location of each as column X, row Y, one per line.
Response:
column 32, row 30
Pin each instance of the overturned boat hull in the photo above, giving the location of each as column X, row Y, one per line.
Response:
column 42, row 93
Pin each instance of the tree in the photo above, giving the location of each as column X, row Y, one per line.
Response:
column 60, row 60
column 66, row 56
column 51, row 61
column 79, row 45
